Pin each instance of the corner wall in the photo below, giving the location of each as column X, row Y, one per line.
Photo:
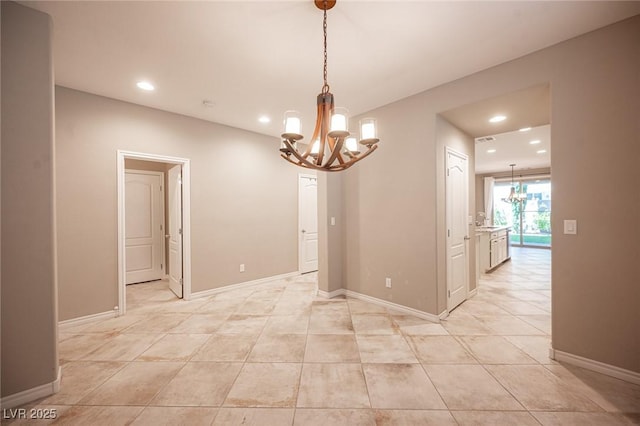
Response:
column 29, row 316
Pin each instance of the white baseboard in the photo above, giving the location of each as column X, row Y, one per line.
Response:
column 245, row 284
column 380, row 302
column 597, row 366
column 331, row 294
column 472, row 293
column 394, row 306
column 87, row 319
column 29, row 395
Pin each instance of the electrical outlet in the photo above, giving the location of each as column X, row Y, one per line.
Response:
column 242, row 267
column 387, row 283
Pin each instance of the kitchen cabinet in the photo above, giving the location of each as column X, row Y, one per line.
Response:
column 493, row 247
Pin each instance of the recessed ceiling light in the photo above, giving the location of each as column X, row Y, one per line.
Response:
column 535, row 142
column 497, row 118
column 542, row 151
column 145, row 85
column 264, row 119
column 524, row 129
column 491, row 151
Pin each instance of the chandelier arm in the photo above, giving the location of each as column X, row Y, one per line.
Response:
column 339, row 158
column 305, row 165
column 296, row 154
column 353, row 160
column 337, row 146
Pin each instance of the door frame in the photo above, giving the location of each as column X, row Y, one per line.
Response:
column 163, row 266
column 449, row 150
column 300, row 177
column 186, row 219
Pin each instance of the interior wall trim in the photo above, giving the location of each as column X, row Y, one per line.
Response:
column 87, row 319
column 597, row 366
column 245, row 284
column 331, row 294
column 29, row 395
column 384, row 303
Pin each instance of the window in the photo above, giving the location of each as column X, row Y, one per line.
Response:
column 529, row 219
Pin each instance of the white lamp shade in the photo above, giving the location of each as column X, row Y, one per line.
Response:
column 340, row 120
column 368, row 129
column 351, row 144
column 292, row 123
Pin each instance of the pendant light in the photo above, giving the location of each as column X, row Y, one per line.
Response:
column 513, row 196
column 332, row 147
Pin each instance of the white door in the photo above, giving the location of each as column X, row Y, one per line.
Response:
column 457, row 183
column 144, row 218
column 307, row 223
column 174, row 235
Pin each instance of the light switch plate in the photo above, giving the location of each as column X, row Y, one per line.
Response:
column 571, row 226
column 333, row 221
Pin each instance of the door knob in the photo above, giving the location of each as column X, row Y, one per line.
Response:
column 167, row 235
column 467, row 238
column 303, row 231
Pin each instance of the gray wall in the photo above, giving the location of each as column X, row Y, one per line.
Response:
column 243, row 197
column 29, row 316
column 390, row 208
column 392, row 228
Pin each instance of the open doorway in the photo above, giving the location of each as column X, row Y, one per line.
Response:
column 154, row 241
column 507, row 129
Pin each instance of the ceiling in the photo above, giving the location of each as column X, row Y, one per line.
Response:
column 528, row 108
column 515, row 148
column 265, row 57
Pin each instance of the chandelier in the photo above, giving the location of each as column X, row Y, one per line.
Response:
column 514, row 197
column 332, row 147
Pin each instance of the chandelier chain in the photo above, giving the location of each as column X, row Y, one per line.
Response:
column 325, row 86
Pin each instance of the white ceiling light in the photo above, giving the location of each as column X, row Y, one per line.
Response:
column 542, row 151
column 491, row 151
column 145, row 85
column 524, row 129
column 497, row 118
column 535, row 142
column 264, row 119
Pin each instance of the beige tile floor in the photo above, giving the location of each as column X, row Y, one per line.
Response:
column 278, row 355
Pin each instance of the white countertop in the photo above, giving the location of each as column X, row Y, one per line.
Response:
column 480, row 229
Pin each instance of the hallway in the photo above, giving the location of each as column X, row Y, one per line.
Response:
column 276, row 354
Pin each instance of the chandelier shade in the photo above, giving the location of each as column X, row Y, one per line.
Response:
column 332, row 146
